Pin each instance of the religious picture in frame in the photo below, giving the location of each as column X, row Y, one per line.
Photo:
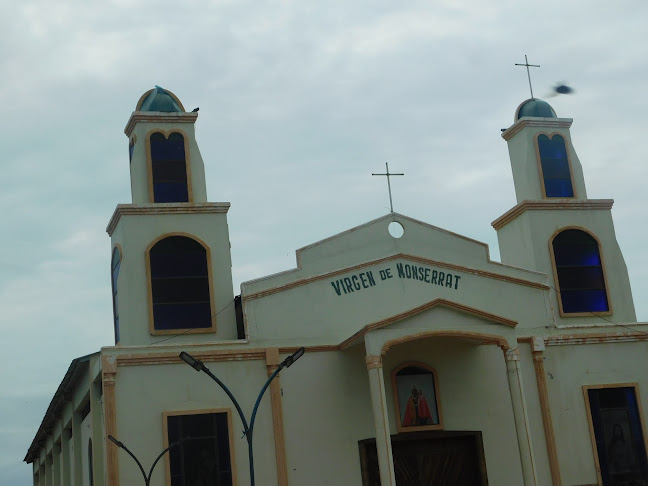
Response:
column 416, row 397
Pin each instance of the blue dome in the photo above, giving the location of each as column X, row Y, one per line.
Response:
column 159, row 99
column 536, row 108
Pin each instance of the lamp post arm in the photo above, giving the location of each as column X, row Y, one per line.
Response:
column 246, row 429
column 258, row 401
column 148, row 481
column 137, row 461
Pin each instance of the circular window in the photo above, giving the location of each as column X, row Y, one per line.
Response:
column 396, row 229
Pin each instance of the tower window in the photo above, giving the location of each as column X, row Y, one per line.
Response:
column 115, row 265
column 169, row 168
column 555, row 166
column 580, row 272
column 180, row 290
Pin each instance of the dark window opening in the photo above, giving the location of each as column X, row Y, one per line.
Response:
column 580, row 272
column 555, row 166
column 85, row 411
column 203, row 456
column 115, row 265
column 238, row 309
column 618, row 435
column 180, row 284
column 131, row 149
column 169, row 168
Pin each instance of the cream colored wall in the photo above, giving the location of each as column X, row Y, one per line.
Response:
column 139, row 168
column 144, row 393
column 524, row 160
column 135, row 233
column 327, row 410
column 568, row 369
column 324, row 317
column 474, row 395
column 525, row 242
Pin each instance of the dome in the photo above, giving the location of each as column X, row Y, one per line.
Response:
column 159, row 99
column 536, row 108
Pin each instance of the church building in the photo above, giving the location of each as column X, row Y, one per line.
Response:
column 426, row 362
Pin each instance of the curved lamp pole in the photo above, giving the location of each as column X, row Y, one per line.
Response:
column 147, row 479
column 247, row 429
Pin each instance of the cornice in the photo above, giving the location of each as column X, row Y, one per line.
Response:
column 549, row 205
column 535, row 122
column 165, row 208
column 159, row 117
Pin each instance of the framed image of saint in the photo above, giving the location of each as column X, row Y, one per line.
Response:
column 416, row 397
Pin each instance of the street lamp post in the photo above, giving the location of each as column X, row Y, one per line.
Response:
column 247, row 429
column 147, row 479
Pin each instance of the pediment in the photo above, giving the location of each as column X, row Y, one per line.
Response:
column 421, row 246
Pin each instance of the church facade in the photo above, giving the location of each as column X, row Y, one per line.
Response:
column 425, row 361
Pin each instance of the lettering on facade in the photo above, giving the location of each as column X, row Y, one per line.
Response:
column 406, row 271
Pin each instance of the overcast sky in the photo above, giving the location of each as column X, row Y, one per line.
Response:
column 299, row 103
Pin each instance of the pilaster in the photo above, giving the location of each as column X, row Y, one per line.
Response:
column 272, row 362
column 381, row 420
column 520, row 414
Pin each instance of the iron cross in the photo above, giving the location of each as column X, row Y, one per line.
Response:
column 388, row 174
column 526, row 63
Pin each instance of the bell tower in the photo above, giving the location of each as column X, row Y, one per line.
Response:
column 555, row 228
column 170, row 264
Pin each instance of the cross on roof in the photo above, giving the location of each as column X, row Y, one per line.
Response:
column 389, row 174
column 526, row 63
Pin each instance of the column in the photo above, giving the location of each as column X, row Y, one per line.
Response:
column 56, row 464
column 381, row 421
column 520, row 415
column 547, row 423
column 76, row 441
column 272, row 363
column 97, row 433
column 109, row 372
column 48, row 470
column 65, row 457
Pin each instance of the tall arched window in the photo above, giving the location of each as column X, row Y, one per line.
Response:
column 90, row 463
column 115, row 264
column 169, row 168
column 580, row 273
column 180, row 284
column 555, row 166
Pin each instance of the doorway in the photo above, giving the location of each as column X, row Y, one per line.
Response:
column 435, row 458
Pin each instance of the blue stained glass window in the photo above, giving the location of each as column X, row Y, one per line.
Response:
column 580, row 273
column 555, row 166
column 180, row 284
column 115, row 265
column 169, row 168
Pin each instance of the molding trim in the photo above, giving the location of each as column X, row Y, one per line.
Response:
column 173, row 357
column 155, row 209
column 547, row 423
column 373, row 361
column 535, row 122
column 549, row 205
column 397, row 256
column 437, row 302
column 109, row 372
column 159, row 117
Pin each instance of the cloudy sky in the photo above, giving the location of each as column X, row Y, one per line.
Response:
column 299, row 103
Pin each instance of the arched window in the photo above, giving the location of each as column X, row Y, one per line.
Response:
column 555, row 166
column 180, row 284
column 169, row 168
column 580, row 272
column 115, row 264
